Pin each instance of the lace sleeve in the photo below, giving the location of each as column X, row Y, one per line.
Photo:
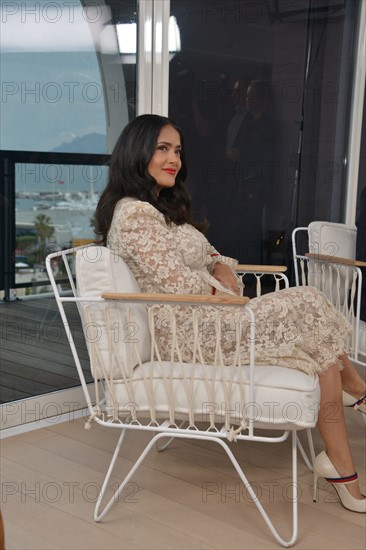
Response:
column 149, row 248
column 217, row 257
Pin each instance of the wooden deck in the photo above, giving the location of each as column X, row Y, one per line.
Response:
column 35, row 355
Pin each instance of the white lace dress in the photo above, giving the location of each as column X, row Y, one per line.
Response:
column 297, row 328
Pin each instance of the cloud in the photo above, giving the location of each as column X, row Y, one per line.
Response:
column 51, row 26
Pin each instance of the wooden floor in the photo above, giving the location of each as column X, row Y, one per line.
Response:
column 35, row 355
column 185, row 497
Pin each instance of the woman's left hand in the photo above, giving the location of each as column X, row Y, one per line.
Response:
column 226, row 277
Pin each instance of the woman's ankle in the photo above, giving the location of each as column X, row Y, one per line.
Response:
column 356, row 390
column 347, row 469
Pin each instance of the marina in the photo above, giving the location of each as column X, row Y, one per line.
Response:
column 70, row 214
column 45, row 220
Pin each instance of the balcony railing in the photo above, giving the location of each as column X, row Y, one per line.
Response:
column 47, row 202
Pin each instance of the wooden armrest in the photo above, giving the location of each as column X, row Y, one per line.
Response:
column 335, row 260
column 181, row 298
column 248, row 268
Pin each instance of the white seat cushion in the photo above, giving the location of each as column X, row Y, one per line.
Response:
column 284, row 398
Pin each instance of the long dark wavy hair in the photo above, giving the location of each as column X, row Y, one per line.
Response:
column 129, row 176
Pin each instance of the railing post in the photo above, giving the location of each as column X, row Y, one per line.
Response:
column 7, row 227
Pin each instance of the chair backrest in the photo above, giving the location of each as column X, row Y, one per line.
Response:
column 113, row 331
column 339, row 281
column 333, row 239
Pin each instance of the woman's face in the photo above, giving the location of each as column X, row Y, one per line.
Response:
column 165, row 162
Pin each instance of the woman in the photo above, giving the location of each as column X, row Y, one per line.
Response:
column 144, row 215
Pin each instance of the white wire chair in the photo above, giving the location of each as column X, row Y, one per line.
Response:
column 324, row 256
column 172, row 397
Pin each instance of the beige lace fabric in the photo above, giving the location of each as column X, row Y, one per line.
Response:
column 296, row 328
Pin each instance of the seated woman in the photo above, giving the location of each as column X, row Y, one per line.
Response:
column 144, row 215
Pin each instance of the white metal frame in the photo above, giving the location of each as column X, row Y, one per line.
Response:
column 144, row 56
column 165, row 430
column 333, row 265
column 160, row 84
column 153, row 57
column 355, row 129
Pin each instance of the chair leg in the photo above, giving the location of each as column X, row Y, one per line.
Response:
column 97, row 516
column 286, row 543
column 276, row 535
column 308, row 461
column 311, row 446
column 163, row 447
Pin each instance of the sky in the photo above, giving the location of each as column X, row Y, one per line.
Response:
column 51, row 89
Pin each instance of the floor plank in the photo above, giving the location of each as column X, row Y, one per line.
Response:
column 188, row 496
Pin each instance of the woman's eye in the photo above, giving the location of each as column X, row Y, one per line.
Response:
column 162, row 148
column 178, row 152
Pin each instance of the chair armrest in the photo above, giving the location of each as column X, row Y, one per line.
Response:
column 248, row 268
column 335, row 260
column 177, row 298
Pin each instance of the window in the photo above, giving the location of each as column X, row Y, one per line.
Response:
column 65, row 84
column 262, row 91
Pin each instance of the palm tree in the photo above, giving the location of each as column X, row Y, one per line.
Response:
column 44, row 229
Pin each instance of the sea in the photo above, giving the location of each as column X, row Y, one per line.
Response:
column 70, row 215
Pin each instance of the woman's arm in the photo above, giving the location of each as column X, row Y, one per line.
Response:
column 224, row 274
column 222, row 269
column 149, row 247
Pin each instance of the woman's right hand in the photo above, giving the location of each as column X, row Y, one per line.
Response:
column 226, row 277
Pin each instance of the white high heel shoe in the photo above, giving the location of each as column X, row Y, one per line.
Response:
column 324, row 468
column 356, row 404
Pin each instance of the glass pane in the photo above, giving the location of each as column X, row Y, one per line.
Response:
column 65, row 80
column 55, row 207
column 261, row 91
column 68, row 72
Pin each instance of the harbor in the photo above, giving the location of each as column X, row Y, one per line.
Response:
column 67, row 217
column 70, row 214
